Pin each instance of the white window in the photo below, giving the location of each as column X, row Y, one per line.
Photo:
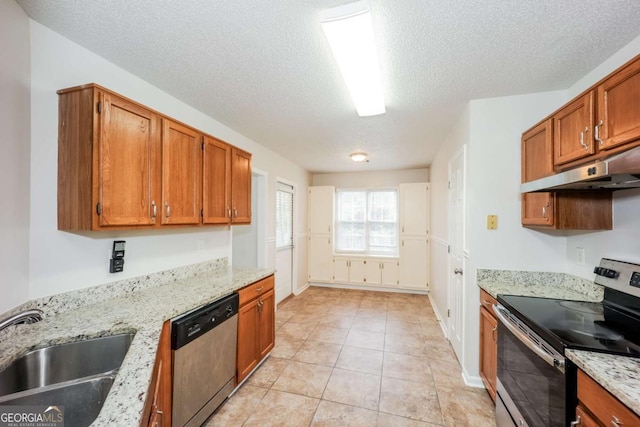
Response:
column 284, row 216
column 367, row 222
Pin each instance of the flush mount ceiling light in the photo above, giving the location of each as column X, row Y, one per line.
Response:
column 349, row 30
column 358, row 157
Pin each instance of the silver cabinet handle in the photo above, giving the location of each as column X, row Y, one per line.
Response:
column 168, row 209
column 154, row 209
column 615, row 422
column 544, row 212
column 596, row 131
column 577, row 422
column 585, row 146
column 229, row 212
column 457, row 271
column 235, row 211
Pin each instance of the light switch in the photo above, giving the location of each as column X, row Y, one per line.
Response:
column 492, row 222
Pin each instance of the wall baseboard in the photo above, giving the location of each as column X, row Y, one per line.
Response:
column 368, row 288
column 302, row 289
column 439, row 317
column 472, row 381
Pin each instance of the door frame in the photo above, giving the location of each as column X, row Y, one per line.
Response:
column 462, row 151
column 261, row 216
column 294, row 234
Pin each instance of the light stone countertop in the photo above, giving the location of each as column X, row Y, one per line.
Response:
column 142, row 312
column 619, row 375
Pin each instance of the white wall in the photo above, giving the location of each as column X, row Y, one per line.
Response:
column 14, row 161
column 492, row 129
column 62, row 261
column 439, row 171
column 372, row 179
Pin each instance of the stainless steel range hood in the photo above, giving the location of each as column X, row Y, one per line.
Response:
column 616, row 173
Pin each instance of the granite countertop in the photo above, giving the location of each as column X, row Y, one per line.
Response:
column 142, row 312
column 619, row 375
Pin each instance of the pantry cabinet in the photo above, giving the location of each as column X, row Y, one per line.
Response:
column 488, row 343
column 320, row 203
column 414, row 209
column 596, row 406
column 122, row 166
column 320, row 247
column 256, row 325
column 414, row 262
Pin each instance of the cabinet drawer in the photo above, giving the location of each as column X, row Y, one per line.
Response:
column 486, row 301
column 603, row 404
column 254, row 290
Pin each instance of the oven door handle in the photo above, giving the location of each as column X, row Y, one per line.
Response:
column 556, row 363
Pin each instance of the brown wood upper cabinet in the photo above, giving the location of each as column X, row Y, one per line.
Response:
column 216, row 184
column 573, row 136
column 181, row 181
column 241, row 187
column 602, row 121
column 124, row 166
column 537, row 162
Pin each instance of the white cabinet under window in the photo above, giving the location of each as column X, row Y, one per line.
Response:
column 366, row 271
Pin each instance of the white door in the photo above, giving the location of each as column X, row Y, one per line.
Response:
column 456, row 252
column 284, row 241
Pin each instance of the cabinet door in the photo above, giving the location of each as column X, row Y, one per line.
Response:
column 127, row 163
column 537, row 152
column 320, row 252
column 321, row 209
column 414, row 209
column 241, row 187
column 216, row 182
column 357, row 270
column 573, row 132
column 619, row 107
column 414, row 261
column 389, row 273
column 248, row 339
column 373, row 272
column 584, row 419
column 488, row 351
column 267, row 305
column 181, row 183
column 341, row 270
column 538, row 209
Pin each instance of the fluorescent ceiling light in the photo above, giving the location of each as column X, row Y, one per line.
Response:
column 349, row 30
column 358, row 157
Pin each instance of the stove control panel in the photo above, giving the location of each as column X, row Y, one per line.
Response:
column 606, row 272
column 635, row 279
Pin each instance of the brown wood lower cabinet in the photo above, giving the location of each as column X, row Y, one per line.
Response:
column 598, row 407
column 256, row 325
column 488, row 344
column 157, row 407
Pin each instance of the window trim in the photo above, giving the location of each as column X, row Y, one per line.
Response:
column 367, row 222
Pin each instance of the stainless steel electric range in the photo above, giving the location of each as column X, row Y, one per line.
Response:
column 536, row 382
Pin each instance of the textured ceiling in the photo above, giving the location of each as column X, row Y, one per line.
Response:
column 265, row 69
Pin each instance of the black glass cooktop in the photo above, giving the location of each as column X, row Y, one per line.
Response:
column 575, row 324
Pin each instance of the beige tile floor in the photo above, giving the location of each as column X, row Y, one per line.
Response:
column 357, row 358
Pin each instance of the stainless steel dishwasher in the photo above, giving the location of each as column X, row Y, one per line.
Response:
column 203, row 344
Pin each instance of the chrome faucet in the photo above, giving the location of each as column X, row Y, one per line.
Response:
column 28, row 316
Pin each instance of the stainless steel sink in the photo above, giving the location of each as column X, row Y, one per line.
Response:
column 59, row 363
column 77, row 376
column 82, row 399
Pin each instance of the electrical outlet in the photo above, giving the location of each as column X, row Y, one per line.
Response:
column 580, row 256
column 492, row 222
